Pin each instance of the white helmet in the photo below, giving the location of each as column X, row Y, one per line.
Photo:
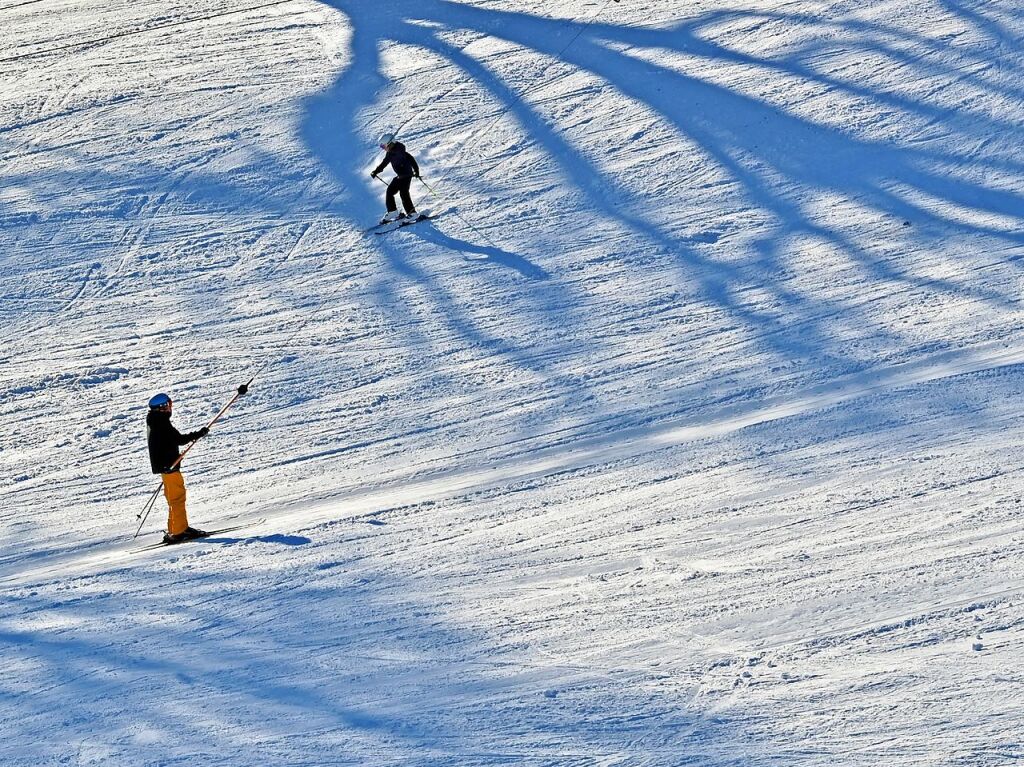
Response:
column 385, row 139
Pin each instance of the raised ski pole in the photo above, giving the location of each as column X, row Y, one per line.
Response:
column 144, row 514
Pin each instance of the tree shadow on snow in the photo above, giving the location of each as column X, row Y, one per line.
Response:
column 771, row 156
column 190, row 661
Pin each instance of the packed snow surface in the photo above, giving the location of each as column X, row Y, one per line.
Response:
column 687, row 433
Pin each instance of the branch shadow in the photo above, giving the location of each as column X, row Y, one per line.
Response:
column 889, row 178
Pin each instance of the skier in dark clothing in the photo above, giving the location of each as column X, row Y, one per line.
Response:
column 164, row 458
column 406, row 169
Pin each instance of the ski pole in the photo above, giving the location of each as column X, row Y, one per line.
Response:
column 146, row 509
column 429, row 187
column 152, row 501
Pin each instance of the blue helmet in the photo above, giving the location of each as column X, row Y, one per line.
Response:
column 160, row 400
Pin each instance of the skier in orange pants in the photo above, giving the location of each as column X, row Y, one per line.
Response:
column 164, row 458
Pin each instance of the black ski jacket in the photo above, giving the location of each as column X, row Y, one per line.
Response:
column 163, row 440
column 403, row 163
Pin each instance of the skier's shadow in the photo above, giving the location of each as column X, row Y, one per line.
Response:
column 284, row 540
column 483, row 253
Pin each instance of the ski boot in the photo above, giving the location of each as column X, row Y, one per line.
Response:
column 188, row 534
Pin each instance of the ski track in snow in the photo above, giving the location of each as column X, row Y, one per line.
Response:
column 688, row 435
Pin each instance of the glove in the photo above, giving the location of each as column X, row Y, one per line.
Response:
column 243, row 389
column 373, row 174
column 203, row 432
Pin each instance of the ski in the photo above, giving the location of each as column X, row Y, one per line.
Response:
column 208, row 534
column 390, row 224
column 393, row 225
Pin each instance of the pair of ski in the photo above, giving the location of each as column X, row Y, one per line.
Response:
column 206, row 534
column 389, row 226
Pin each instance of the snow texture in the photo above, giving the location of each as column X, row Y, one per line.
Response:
column 688, row 435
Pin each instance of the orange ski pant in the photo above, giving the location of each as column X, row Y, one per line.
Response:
column 174, row 492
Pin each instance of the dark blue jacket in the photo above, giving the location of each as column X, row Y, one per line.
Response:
column 403, row 163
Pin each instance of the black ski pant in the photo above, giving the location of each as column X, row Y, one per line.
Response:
column 400, row 186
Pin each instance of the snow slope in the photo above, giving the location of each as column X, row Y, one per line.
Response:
column 687, row 434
